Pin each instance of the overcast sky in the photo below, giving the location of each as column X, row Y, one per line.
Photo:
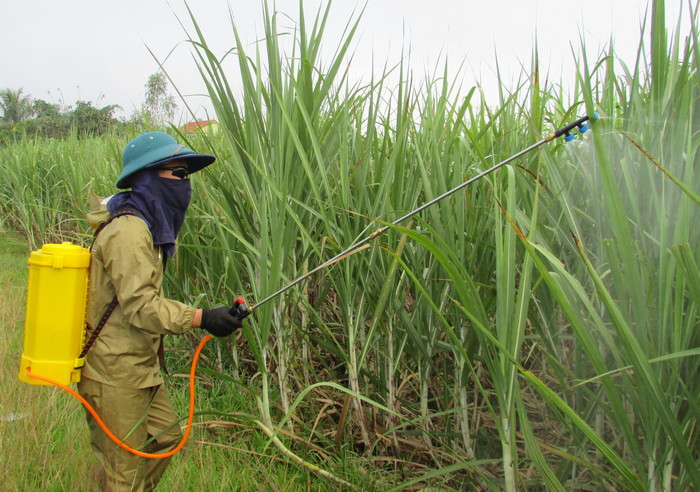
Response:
column 63, row 51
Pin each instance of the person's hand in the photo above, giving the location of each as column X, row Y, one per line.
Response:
column 220, row 322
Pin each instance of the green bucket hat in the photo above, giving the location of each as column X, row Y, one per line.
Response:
column 153, row 149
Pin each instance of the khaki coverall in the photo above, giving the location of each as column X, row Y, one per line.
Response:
column 121, row 377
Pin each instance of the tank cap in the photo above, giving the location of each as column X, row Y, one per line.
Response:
column 65, row 248
column 65, row 255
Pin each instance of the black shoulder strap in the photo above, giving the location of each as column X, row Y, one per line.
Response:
column 96, row 331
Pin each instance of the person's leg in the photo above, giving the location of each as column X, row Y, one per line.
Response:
column 163, row 426
column 125, row 412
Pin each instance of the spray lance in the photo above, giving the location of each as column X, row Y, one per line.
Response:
column 56, row 302
column 240, row 309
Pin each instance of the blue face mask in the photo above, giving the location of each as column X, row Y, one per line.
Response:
column 162, row 201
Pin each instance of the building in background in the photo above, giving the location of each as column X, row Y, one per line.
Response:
column 205, row 125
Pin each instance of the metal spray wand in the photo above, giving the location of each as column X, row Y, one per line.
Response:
column 242, row 311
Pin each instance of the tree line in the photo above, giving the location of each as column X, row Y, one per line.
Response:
column 21, row 115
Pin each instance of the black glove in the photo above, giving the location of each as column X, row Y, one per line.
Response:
column 220, row 322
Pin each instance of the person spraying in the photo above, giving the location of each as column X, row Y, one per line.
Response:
column 121, row 378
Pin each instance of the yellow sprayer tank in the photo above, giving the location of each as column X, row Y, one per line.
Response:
column 55, row 320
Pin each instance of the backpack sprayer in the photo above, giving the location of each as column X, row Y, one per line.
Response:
column 54, row 329
column 55, row 316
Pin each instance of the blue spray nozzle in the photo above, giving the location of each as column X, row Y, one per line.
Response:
column 566, row 131
column 595, row 117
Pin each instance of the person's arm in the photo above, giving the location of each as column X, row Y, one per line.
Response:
column 131, row 262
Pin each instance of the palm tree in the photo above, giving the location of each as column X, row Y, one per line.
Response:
column 15, row 106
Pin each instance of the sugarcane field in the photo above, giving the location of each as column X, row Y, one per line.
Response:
column 324, row 247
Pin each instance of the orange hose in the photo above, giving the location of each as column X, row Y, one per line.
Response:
column 109, row 433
